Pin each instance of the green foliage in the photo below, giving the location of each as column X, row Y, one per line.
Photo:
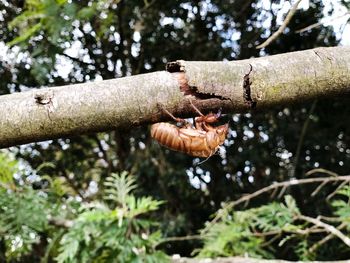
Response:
column 342, row 206
column 44, row 15
column 119, row 187
column 52, row 18
column 254, row 231
column 231, row 238
column 302, row 250
column 113, row 233
column 23, row 217
column 8, row 168
column 99, row 232
column 24, row 211
column 241, row 232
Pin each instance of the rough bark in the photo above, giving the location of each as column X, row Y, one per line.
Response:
column 235, row 86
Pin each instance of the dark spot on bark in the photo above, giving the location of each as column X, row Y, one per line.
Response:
column 247, row 91
column 43, row 98
column 174, row 66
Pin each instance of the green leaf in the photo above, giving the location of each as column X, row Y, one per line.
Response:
column 87, row 13
column 118, row 187
column 23, row 19
column 28, row 33
column 69, row 250
column 291, row 204
column 8, row 168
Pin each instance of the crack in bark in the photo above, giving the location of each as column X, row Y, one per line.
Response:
column 193, row 90
column 319, row 54
column 247, row 90
column 204, row 96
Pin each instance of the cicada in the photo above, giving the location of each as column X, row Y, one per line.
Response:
column 201, row 139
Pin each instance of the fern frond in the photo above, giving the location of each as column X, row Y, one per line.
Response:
column 118, row 187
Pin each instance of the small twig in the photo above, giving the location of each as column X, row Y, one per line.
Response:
column 273, row 194
column 321, row 170
column 315, row 246
column 283, row 190
column 330, row 219
column 321, row 23
column 301, row 140
column 282, row 27
column 329, row 228
column 266, row 244
column 77, row 60
column 278, row 234
column 296, row 231
column 315, row 192
column 336, row 190
column 72, row 184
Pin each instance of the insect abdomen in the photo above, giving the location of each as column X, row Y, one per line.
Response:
column 168, row 135
column 187, row 140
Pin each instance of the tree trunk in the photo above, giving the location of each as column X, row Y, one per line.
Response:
column 235, row 86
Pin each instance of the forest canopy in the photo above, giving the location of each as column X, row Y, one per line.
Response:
column 278, row 190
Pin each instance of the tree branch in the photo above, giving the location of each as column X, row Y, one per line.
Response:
column 71, row 110
column 282, row 27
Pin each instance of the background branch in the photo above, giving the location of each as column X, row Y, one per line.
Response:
column 321, row 23
column 324, row 240
column 280, row 30
column 329, row 228
column 301, row 140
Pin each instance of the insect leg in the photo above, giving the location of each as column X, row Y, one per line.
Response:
column 182, row 121
column 198, row 121
column 196, row 109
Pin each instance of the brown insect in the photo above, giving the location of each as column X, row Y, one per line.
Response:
column 200, row 140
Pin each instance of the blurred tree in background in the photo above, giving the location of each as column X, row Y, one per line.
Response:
column 55, row 42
